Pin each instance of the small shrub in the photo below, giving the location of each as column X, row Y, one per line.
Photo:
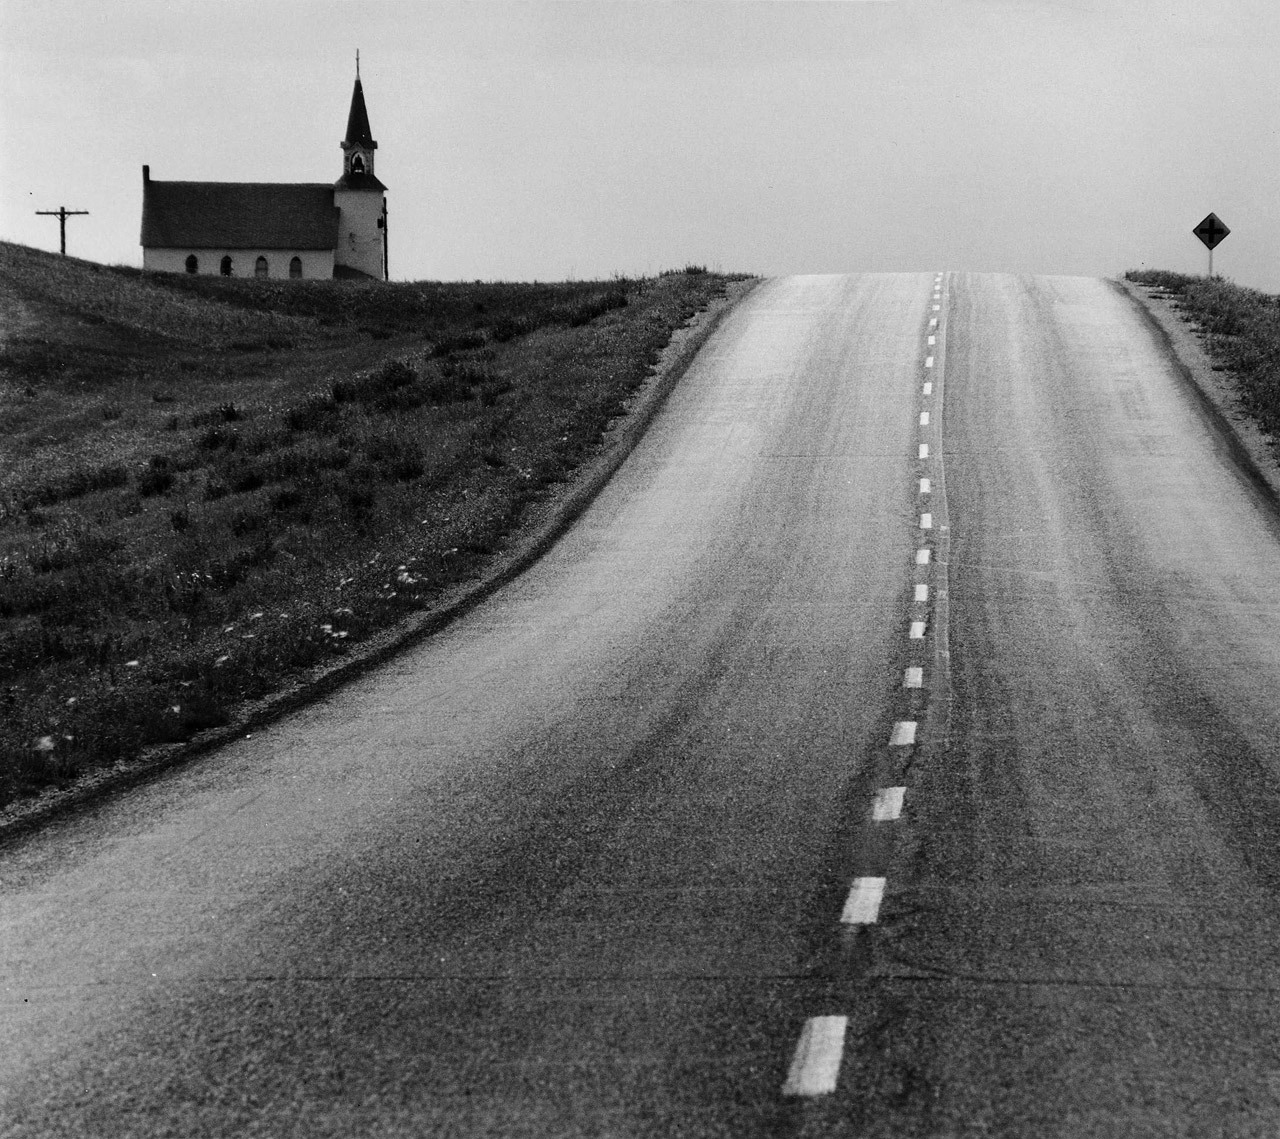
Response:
column 244, row 478
column 509, row 327
column 492, row 390
column 179, row 520
column 317, row 413
column 246, row 522
column 447, row 345
column 154, row 481
column 446, row 388
column 288, row 498
column 216, row 438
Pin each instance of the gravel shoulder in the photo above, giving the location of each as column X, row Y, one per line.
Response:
column 1254, row 451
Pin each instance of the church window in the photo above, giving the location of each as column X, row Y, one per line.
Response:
column 225, row 268
column 357, row 165
column 295, row 268
column 260, row 267
column 193, row 264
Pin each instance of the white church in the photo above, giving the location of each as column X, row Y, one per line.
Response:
column 274, row 229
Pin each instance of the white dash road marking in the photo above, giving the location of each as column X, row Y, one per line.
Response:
column 913, row 677
column 932, row 341
column 925, row 486
column 862, row 906
column 888, row 804
column 816, row 1063
column 904, row 734
column 924, row 419
column 937, row 308
column 917, row 631
column 928, row 388
column 922, row 557
column 928, row 361
column 922, row 592
column 924, row 450
column 933, row 322
column 926, row 521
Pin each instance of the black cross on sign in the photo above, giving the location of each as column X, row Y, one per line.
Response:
column 1211, row 231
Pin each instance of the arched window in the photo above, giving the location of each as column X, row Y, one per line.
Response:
column 260, row 267
column 295, row 268
column 357, row 165
column 193, row 264
column 226, row 267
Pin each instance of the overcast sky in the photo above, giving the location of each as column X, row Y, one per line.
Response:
column 552, row 140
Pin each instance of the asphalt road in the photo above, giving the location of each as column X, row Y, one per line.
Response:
column 788, row 795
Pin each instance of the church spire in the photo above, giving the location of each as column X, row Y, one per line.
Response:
column 358, row 132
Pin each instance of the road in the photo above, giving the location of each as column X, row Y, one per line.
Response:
column 890, row 750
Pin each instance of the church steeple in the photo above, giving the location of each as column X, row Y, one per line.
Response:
column 360, row 198
column 358, row 146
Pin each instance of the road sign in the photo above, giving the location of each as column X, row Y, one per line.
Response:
column 1211, row 231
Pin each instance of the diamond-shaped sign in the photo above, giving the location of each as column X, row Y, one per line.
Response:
column 1211, row 231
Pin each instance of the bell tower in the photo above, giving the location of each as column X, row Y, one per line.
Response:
column 361, row 198
column 358, row 146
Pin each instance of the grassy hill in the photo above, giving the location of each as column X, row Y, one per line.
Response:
column 208, row 485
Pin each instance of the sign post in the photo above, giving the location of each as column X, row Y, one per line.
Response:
column 1211, row 231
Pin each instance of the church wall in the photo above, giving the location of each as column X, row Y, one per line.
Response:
column 317, row 264
column 359, row 235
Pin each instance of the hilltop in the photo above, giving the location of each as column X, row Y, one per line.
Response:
column 209, row 484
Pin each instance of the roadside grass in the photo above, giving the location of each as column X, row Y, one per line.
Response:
column 209, row 485
column 1241, row 330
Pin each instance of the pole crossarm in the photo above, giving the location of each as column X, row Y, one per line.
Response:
column 62, row 213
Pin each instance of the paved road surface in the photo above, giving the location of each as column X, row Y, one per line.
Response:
column 619, row 853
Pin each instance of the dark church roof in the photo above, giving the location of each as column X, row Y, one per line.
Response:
column 358, row 132
column 238, row 215
column 358, row 182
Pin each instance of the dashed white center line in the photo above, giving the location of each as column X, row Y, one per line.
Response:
column 922, row 557
column 815, row 1066
column 924, row 450
column 922, row 591
column 925, row 486
column 903, row 734
column 924, row 419
column 917, row 631
column 888, row 804
column 862, row 906
column 932, row 341
column 928, row 388
column 913, row 677
column 937, row 308
column 928, row 361
column 926, row 521
column 933, row 322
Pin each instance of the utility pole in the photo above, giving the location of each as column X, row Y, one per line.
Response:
column 382, row 225
column 62, row 213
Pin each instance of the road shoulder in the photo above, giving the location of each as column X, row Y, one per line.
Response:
column 1253, row 450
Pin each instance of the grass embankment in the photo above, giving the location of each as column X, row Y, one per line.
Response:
column 208, row 485
column 1241, row 329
